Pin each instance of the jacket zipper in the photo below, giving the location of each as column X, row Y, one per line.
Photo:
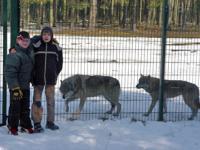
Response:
column 45, row 65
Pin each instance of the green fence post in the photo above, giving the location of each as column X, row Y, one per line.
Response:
column 4, row 56
column 15, row 20
column 162, row 62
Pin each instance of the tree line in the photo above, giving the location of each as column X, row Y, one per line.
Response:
column 126, row 14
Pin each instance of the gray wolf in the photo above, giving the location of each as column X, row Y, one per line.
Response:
column 172, row 88
column 83, row 86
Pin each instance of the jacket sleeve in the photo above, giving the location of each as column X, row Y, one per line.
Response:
column 60, row 61
column 12, row 67
column 35, row 39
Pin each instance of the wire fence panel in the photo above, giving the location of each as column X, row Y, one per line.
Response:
column 1, row 74
column 121, row 41
column 182, row 59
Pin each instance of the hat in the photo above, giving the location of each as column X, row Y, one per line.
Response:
column 23, row 34
column 47, row 29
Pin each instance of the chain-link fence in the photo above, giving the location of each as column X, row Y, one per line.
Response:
column 122, row 40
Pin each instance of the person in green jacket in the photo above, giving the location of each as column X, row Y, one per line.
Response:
column 18, row 73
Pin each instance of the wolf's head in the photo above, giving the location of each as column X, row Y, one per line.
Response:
column 66, row 88
column 144, row 82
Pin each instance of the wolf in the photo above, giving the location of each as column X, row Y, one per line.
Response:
column 83, row 86
column 172, row 88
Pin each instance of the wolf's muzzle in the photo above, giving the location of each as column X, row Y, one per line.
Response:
column 138, row 86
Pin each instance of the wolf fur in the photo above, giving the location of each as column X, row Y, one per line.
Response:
column 172, row 88
column 83, row 86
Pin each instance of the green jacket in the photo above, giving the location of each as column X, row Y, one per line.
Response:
column 19, row 67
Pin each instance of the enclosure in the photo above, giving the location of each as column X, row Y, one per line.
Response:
column 118, row 38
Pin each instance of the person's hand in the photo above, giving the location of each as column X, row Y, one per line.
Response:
column 17, row 93
column 12, row 50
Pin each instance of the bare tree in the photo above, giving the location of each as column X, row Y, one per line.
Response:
column 93, row 13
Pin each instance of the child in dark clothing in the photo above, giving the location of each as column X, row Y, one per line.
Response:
column 48, row 65
column 18, row 70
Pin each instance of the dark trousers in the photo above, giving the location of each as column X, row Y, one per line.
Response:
column 19, row 111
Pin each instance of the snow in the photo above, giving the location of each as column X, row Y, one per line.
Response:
column 109, row 135
column 124, row 59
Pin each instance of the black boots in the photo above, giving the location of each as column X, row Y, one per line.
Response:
column 51, row 126
column 38, row 128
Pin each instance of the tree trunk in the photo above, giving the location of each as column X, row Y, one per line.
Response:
column 124, row 16
column 93, row 13
column 54, row 13
column 51, row 13
column 134, row 15
column 41, row 13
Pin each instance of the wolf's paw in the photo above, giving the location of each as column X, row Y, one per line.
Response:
column 72, row 119
column 146, row 114
column 67, row 108
column 108, row 112
column 190, row 118
column 76, row 114
column 115, row 114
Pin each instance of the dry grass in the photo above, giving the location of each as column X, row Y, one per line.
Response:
column 142, row 31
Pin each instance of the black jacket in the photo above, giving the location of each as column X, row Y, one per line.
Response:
column 48, row 63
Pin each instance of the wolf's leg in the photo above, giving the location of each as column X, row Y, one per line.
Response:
column 165, row 105
column 111, row 103
column 194, row 113
column 81, row 104
column 67, row 103
column 153, row 103
column 118, row 109
column 190, row 100
column 112, row 108
column 66, row 106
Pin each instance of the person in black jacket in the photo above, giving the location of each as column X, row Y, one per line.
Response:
column 18, row 70
column 48, row 65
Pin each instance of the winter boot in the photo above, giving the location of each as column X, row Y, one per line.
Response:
column 28, row 130
column 38, row 128
column 51, row 126
column 12, row 131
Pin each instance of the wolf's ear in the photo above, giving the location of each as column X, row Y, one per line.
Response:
column 61, row 81
column 141, row 75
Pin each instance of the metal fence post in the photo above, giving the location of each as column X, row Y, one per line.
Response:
column 162, row 61
column 4, row 56
column 15, row 20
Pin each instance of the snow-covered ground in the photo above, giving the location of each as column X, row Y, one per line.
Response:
column 124, row 59
column 108, row 135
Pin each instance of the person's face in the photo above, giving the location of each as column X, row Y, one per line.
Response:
column 23, row 42
column 46, row 37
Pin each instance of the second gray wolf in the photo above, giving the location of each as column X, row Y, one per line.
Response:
column 172, row 88
column 83, row 86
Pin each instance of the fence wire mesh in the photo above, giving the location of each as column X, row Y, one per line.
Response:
column 121, row 42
